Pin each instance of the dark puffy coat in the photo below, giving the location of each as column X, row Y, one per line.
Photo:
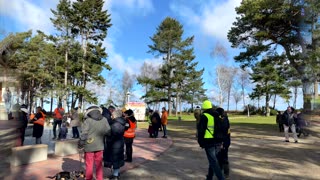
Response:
column 202, row 126
column 288, row 118
column 157, row 122
column 107, row 114
column 114, row 146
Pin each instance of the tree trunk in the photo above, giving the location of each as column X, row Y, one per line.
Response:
column 176, row 104
column 295, row 91
column 51, row 102
column 41, row 102
column 267, row 105
column 64, row 98
column 228, row 99
column 274, row 101
column 316, row 89
column 307, row 88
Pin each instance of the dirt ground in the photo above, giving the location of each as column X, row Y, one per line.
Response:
column 256, row 152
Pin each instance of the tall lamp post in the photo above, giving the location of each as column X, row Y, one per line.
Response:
column 127, row 97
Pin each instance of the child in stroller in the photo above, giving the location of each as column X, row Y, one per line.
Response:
column 301, row 125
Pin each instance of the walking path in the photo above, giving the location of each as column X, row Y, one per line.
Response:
column 144, row 149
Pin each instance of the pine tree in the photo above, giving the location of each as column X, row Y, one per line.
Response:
column 268, row 82
column 62, row 21
column 265, row 25
column 176, row 53
column 91, row 24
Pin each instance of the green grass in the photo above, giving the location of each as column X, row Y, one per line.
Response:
column 234, row 119
column 252, row 120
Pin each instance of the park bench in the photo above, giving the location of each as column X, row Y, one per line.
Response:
column 29, row 154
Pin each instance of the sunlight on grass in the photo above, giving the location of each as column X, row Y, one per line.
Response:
column 235, row 119
column 253, row 120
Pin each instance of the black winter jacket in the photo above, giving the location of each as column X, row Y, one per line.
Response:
column 114, row 146
column 202, row 127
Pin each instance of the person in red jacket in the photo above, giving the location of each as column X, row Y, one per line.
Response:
column 129, row 134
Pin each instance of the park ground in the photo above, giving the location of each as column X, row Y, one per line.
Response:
column 258, row 151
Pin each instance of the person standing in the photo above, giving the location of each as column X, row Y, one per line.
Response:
column 288, row 119
column 150, row 128
column 38, row 124
column 129, row 133
column 156, row 123
column 24, row 122
column 115, row 148
column 94, row 129
column 7, row 96
column 207, row 128
column 75, row 123
column 107, row 113
column 279, row 121
column 57, row 119
column 63, row 131
column 226, row 140
column 197, row 114
column 164, row 122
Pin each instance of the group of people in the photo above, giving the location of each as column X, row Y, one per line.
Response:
column 105, row 132
column 59, row 120
column 213, row 133
column 292, row 120
column 157, row 123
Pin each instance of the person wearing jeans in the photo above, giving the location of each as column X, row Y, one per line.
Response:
column 208, row 130
column 94, row 128
column 57, row 116
column 289, row 122
column 75, row 123
column 214, row 168
column 164, row 122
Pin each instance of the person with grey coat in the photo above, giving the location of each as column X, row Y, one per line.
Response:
column 94, row 129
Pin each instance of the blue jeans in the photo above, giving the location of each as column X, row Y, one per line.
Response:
column 55, row 123
column 164, row 127
column 214, row 168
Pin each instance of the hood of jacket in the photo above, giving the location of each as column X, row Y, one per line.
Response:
column 94, row 113
column 120, row 120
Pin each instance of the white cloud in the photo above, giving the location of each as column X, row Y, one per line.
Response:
column 27, row 14
column 214, row 19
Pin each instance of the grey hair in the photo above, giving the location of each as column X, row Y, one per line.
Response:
column 117, row 113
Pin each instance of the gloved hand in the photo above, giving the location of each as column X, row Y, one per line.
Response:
column 81, row 144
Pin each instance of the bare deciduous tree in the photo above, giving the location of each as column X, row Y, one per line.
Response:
column 219, row 50
column 243, row 81
column 236, row 97
column 127, row 84
column 225, row 79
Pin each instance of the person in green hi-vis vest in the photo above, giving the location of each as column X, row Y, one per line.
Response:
column 207, row 128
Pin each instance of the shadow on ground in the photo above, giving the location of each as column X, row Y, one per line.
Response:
column 257, row 152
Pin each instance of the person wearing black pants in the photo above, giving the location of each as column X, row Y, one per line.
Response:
column 129, row 134
column 156, row 123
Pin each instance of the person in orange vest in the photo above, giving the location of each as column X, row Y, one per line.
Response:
column 57, row 120
column 164, row 122
column 129, row 134
column 38, row 120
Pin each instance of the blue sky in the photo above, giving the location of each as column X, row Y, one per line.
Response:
column 134, row 22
